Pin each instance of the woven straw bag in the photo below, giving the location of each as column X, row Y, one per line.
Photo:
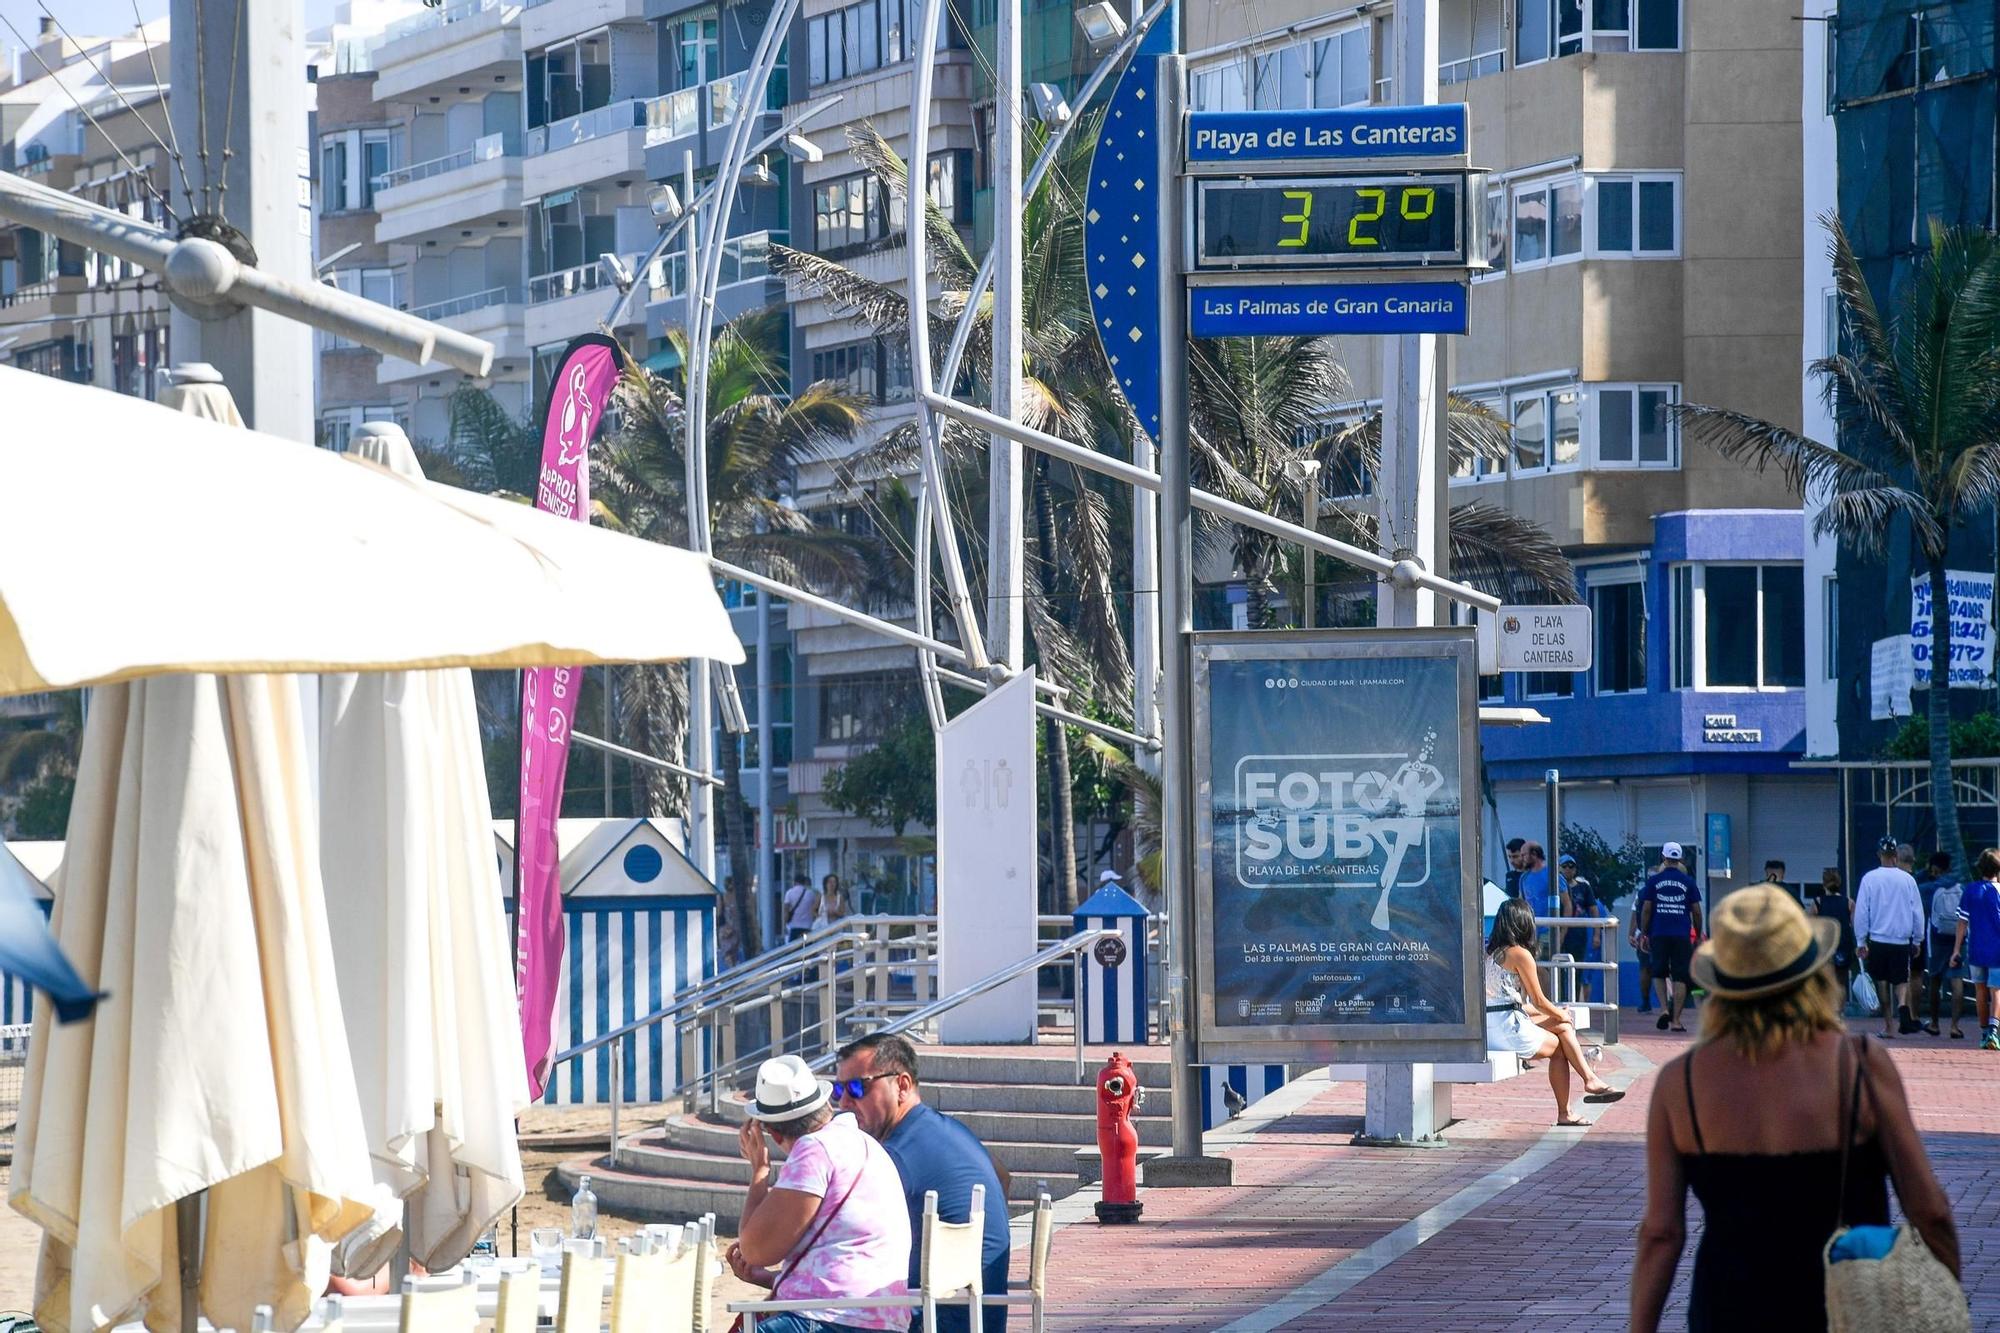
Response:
column 1907, row 1290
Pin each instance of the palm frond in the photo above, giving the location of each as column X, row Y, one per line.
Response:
column 1144, row 789
column 1512, row 557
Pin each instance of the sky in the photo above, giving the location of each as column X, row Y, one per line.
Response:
column 98, row 18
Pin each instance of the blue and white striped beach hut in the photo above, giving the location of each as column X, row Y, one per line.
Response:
column 1251, row 1082
column 1114, row 998
column 41, row 861
column 641, row 927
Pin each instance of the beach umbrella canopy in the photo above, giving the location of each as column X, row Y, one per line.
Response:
column 209, row 548
column 28, row 950
column 420, row 938
column 217, row 1060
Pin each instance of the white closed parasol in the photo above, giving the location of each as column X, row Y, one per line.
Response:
column 420, row 937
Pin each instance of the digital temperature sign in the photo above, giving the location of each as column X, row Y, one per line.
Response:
column 1389, row 221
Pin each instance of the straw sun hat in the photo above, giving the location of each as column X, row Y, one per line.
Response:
column 787, row 1089
column 1762, row 942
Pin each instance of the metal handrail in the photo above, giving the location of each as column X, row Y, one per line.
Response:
column 459, row 305
column 1566, row 969
column 437, row 18
column 1072, row 947
column 483, row 149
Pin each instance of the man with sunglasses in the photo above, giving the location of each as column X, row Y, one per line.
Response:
column 877, row 1081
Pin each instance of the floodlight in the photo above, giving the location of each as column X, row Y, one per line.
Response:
column 758, row 173
column 664, row 202
column 1102, row 25
column 1050, row 106
column 615, row 269
column 802, row 149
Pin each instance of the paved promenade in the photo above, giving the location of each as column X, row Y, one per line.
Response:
column 1515, row 1225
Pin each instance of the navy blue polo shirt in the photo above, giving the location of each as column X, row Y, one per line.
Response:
column 934, row 1152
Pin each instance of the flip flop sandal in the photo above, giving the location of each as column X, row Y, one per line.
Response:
column 1608, row 1095
column 1931, row 1028
column 1572, row 1124
column 1957, row 1034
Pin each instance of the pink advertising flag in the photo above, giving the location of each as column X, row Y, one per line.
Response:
column 578, row 395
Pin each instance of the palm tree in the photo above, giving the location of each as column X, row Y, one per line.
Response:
column 38, row 765
column 1917, row 400
column 756, row 440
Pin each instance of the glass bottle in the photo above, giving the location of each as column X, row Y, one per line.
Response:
column 583, row 1212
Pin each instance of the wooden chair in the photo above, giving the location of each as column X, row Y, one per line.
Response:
column 438, row 1305
column 520, row 1301
column 1040, row 1240
column 580, row 1304
column 706, row 1262
column 949, row 1270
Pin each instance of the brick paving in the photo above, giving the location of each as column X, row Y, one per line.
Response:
column 1552, row 1252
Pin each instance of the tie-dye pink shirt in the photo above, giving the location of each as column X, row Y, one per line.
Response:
column 865, row 1249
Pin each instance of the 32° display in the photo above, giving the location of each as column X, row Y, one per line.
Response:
column 1331, row 222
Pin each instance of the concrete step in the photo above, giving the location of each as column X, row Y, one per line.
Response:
column 1015, row 1065
column 655, row 1198
column 1049, row 1098
column 1074, row 1130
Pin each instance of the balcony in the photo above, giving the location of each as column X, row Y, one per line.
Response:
column 593, row 145
column 545, row 21
column 472, row 185
column 447, row 45
column 563, row 304
column 701, row 114
column 494, row 314
column 746, row 259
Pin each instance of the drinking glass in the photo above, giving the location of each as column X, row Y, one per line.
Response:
column 545, row 1245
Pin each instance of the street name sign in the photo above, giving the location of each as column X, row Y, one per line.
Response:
column 1243, row 310
column 1535, row 638
column 1355, row 133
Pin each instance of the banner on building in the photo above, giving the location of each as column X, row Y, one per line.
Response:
column 578, row 394
column 1336, row 889
column 1971, row 610
column 987, row 859
column 1889, row 679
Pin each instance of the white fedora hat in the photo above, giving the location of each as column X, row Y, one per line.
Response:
column 787, row 1089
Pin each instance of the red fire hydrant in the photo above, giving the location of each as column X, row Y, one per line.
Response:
column 1118, row 1140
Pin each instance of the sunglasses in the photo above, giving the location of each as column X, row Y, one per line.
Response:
column 855, row 1089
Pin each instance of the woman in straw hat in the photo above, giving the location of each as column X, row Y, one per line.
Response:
column 1754, row 1117
column 832, row 1225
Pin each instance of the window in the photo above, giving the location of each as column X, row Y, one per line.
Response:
column 1548, row 222
column 852, row 364
column 1496, row 233
column 862, row 37
column 1548, row 684
column 1636, row 215
column 373, row 284
column 1330, row 70
column 1548, row 429
column 697, row 52
column 950, row 184
column 350, row 163
column 849, row 210
column 1548, row 29
column 858, row 710
column 1831, row 329
column 1636, row 426
column 1471, row 40
column 1829, row 598
column 1739, row 627
column 1618, row 620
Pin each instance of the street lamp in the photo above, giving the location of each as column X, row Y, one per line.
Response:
column 1050, row 106
column 801, row 149
column 1102, row 25
column 664, row 201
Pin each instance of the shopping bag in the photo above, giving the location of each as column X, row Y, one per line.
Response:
column 1862, row 992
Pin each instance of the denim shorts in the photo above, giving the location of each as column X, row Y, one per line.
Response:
column 1982, row 976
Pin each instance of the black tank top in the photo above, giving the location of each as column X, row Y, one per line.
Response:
column 1767, row 1218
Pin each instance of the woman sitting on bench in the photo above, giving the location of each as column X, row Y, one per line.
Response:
column 1521, row 1020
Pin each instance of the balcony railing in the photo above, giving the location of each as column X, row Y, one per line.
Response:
column 1471, row 67
column 587, row 125
column 460, row 305
column 484, row 149
column 438, row 18
column 674, row 116
column 547, row 287
column 744, row 258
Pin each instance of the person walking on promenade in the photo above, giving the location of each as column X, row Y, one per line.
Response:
column 1669, row 922
column 1579, row 942
column 1832, row 905
column 1783, row 1126
column 877, row 1080
column 832, row 1225
column 1977, row 945
column 1889, row 925
column 801, row 906
column 1521, row 1019
column 1946, row 970
column 833, row 904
